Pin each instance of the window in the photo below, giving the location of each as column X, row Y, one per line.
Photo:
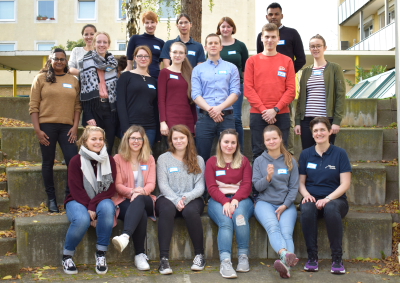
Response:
column 382, row 20
column 121, row 10
column 392, row 16
column 368, row 30
column 7, row 46
column 166, row 9
column 45, row 46
column 7, row 10
column 121, row 45
column 46, row 9
column 86, row 9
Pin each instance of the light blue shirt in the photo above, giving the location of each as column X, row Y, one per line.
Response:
column 215, row 82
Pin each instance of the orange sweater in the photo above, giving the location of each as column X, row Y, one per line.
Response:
column 269, row 81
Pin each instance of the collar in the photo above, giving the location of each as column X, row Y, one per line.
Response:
column 148, row 35
column 189, row 42
column 281, row 26
column 211, row 62
column 325, row 153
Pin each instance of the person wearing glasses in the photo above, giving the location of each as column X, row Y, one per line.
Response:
column 136, row 180
column 195, row 52
column 137, row 95
column 322, row 94
column 55, row 111
column 175, row 102
column 150, row 21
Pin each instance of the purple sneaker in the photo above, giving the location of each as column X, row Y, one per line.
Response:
column 290, row 259
column 338, row 267
column 282, row 269
column 311, row 265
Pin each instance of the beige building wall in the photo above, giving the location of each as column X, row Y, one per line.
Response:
column 349, row 33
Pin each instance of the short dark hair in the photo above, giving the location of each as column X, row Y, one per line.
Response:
column 88, row 26
column 274, row 5
column 322, row 120
column 229, row 21
column 213, row 35
column 183, row 15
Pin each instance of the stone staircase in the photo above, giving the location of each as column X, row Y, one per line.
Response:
column 40, row 238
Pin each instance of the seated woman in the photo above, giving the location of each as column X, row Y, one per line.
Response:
column 276, row 178
column 136, row 180
column 91, row 176
column 180, row 176
column 325, row 176
column 228, row 177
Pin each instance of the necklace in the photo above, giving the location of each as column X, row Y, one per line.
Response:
column 144, row 78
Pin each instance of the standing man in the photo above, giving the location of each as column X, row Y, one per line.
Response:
column 195, row 49
column 215, row 88
column 270, row 86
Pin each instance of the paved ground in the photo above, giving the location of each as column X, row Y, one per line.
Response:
column 261, row 271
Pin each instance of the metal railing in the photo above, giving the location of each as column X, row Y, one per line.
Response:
column 383, row 39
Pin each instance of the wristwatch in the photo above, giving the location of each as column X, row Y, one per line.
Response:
column 276, row 109
column 328, row 197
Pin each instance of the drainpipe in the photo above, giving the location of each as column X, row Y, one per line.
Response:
column 15, row 83
column 397, row 40
column 386, row 12
column 361, row 26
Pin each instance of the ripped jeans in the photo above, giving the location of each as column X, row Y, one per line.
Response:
column 228, row 226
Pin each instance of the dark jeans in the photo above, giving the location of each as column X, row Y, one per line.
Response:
column 307, row 139
column 333, row 212
column 57, row 133
column 257, row 126
column 106, row 120
column 151, row 135
column 166, row 212
column 134, row 214
column 207, row 130
column 237, row 113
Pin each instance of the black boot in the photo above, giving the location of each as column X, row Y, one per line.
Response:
column 52, row 205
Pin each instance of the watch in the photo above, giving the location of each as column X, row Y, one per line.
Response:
column 328, row 197
column 276, row 109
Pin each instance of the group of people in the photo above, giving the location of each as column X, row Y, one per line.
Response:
column 191, row 101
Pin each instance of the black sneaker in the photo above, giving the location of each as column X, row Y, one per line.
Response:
column 198, row 263
column 101, row 263
column 164, row 266
column 69, row 265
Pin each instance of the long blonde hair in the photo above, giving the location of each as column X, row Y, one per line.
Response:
column 186, row 70
column 124, row 149
column 282, row 148
column 237, row 155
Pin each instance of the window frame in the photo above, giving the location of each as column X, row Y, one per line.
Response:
column 94, row 20
column 37, row 42
column 48, row 20
column 121, row 42
column 15, row 43
column 15, row 11
column 167, row 19
column 117, row 10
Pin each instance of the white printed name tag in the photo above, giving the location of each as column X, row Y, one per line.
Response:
column 173, row 169
column 317, row 73
column 222, row 72
column 156, row 47
column 151, row 86
column 311, row 165
column 171, row 76
column 193, row 53
column 282, row 74
column 232, row 52
column 282, row 42
column 282, row 171
column 220, row 173
column 144, row 167
column 67, row 85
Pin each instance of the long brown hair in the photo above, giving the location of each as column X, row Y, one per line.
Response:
column 286, row 154
column 48, row 68
column 186, row 70
column 124, row 149
column 237, row 155
column 190, row 157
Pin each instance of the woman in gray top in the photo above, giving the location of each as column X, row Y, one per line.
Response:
column 276, row 178
column 180, row 177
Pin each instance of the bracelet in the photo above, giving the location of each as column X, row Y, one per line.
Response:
column 328, row 197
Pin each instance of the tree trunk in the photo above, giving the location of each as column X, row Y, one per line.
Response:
column 194, row 9
column 133, row 12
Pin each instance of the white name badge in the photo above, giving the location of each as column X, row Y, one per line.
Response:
column 311, row 165
column 282, row 42
column 222, row 72
column 144, row 167
column 282, row 74
column 193, row 53
column 220, row 173
column 173, row 169
column 108, row 69
column 171, row 76
column 156, row 47
column 151, row 86
column 67, row 85
column 317, row 73
column 282, row 171
column 232, row 52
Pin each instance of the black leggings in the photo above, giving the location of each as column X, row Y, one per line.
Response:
column 134, row 214
column 166, row 212
column 307, row 139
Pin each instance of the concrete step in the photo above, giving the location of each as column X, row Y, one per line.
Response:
column 9, row 265
column 8, row 245
column 40, row 240
column 4, row 204
column 2, row 168
column 25, row 185
column 6, row 223
column 3, row 186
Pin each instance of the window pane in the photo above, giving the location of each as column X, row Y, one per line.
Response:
column 122, row 12
column 7, row 47
column 121, row 46
column 6, row 10
column 46, row 9
column 87, row 10
column 167, row 9
column 45, row 46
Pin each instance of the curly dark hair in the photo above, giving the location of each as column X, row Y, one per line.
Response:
column 48, row 69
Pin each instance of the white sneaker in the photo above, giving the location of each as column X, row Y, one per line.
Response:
column 141, row 262
column 120, row 242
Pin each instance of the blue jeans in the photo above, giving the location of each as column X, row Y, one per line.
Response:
column 151, row 135
column 207, row 130
column 79, row 217
column 237, row 113
column 280, row 232
column 228, row 226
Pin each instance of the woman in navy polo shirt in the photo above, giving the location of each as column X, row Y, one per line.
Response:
column 325, row 176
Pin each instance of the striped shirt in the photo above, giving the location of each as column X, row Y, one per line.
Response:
column 316, row 96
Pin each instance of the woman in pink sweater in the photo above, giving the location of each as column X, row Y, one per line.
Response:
column 136, row 180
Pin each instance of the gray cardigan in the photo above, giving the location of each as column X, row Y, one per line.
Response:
column 284, row 184
column 174, row 181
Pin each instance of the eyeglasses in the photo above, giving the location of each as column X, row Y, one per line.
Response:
column 178, row 52
column 146, row 57
column 183, row 23
column 58, row 59
column 315, row 46
column 136, row 139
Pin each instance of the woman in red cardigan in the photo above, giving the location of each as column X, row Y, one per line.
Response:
column 136, row 180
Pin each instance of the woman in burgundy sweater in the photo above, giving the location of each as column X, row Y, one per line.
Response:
column 91, row 175
column 228, row 178
column 175, row 103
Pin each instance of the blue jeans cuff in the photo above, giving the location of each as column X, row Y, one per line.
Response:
column 101, row 248
column 67, row 252
column 224, row 255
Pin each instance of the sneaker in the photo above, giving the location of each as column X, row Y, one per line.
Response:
column 289, row 259
column 164, row 266
column 141, row 262
column 243, row 264
column 226, row 269
column 120, row 242
column 101, row 263
column 198, row 263
column 283, row 270
column 337, row 266
column 311, row 265
column 69, row 265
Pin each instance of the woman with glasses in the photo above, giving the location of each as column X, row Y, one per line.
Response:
column 322, row 94
column 175, row 102
column 55, row 111
column 137, row 96
column 136, row 180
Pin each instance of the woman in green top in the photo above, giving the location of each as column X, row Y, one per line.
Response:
column 236, row 52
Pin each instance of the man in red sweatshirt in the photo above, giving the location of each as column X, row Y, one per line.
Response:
column 270, row 86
